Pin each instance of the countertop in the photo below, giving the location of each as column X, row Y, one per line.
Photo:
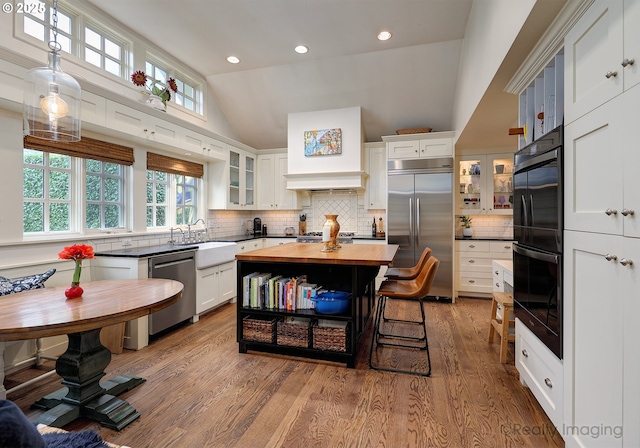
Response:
column 146, row 251
column 507, row 265
column 236, row 238
column 473, row 238
column 348, row 254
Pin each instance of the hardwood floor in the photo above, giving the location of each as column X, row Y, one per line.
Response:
column 200, row 392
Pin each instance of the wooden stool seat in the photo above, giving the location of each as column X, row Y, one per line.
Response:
column 502, row 326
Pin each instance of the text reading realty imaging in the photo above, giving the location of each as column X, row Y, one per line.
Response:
column 593, row 431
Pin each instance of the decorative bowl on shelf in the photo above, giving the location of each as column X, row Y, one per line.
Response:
column 332, row 302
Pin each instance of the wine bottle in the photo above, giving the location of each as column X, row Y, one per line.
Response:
column 373, row 227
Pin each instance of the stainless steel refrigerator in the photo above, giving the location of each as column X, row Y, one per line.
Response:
column 420, row 214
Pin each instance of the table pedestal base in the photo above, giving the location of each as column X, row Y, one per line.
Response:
column 81, row 368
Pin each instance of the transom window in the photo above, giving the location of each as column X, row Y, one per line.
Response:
column 38, row 23
column 103, row 52
column 94, row 40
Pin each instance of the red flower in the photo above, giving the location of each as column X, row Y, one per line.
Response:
column 139, row 78
column 76, row 252
column 172, row 84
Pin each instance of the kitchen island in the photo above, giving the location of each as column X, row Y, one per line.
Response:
column 352, row 268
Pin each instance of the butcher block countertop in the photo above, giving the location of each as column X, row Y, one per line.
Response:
column 348, row 254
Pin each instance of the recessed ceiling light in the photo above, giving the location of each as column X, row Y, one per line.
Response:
column 233, row 59
column 301, row 49
column 384, row 35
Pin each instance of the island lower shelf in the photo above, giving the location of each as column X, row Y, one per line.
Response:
column 349, row 270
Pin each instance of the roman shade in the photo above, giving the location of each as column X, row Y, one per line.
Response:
column 157, row 162
column 87, row 148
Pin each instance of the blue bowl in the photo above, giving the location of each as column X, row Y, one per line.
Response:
column 332, row 302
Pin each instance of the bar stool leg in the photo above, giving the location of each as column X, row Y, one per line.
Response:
column 494, row 313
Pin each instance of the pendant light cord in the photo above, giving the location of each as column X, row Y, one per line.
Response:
column 53, row 44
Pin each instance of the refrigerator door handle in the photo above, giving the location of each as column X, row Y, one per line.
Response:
column 417, row 233
column 410, row 221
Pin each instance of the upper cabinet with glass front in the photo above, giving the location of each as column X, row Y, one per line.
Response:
column 485, row 184
column 232, row 182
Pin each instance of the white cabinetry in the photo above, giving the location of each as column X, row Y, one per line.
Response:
column 601, row 167
column 139, row 124
column 215, row 285
column 541, row 371
column 599, row 50
column 474, row 275
column 602, row 360
column 416, row 146
column 247, row 245
column 272, row 190
column 485, row 184
column 376, row 162
column 232, row 181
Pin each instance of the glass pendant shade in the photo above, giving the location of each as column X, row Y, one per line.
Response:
column 52, row 103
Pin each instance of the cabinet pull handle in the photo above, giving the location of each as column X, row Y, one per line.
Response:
column 627, row 212
column 625, row 262
column 611, row 74
column 471, row 246
column 610, row 212
column 472, row 281
column 525, row 354
column 496, row 272
column 497, row 285
column 472, row 261
column 626, row 62
column 610, row 257
column 548, row 382
column 507, row 247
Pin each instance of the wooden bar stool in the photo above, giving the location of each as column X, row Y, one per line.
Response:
column 505, row 299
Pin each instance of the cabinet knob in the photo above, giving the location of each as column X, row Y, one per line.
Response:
column 496, row 272
column 611, row 74
column 610, row 257
column 610, row 212
column 548, row 382
column 525, row 354
column 625, row 262
column 497, row 285
column 626, row 62
column 627, row 212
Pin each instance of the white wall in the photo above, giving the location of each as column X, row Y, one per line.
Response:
column 349, row 120
column 492, row 28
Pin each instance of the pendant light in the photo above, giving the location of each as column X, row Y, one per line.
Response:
column 52, row 97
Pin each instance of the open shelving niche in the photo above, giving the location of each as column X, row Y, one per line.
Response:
column 544, row 95
column 359, row 280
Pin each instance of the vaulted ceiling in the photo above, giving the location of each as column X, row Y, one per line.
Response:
column 407, row 81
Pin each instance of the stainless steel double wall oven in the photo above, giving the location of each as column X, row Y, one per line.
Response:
column 538, row 226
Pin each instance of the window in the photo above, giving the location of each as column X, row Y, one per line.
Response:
column 46, row 193
column 37, row 22
column 186, row 199
column 103, row 51
column 104, row 195
column 157, row 195
column 187, row 94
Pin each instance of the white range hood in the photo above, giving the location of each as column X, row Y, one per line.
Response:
column 349, row 180
column 344, row 171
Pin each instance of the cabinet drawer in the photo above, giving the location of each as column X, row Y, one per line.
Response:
column 467, row 282
column 247, row 245
column 477, row 262
column 501, row 247
column 473, row 246
column 541, row 371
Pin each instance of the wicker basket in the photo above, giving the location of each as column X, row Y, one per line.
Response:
column 331, row 339
column 293, row 334
column 413, row 131
column 258, row 328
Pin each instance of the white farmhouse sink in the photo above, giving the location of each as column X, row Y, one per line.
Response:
column 213, row 253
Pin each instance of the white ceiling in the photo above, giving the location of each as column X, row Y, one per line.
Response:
column 408, row 81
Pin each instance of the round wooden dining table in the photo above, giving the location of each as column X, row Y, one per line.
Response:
column 47, row 312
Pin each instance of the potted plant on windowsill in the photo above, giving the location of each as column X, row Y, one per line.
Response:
column 466, row 226
column 158, row 97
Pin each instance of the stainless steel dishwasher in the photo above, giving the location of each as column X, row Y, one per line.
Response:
column 180, row 266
